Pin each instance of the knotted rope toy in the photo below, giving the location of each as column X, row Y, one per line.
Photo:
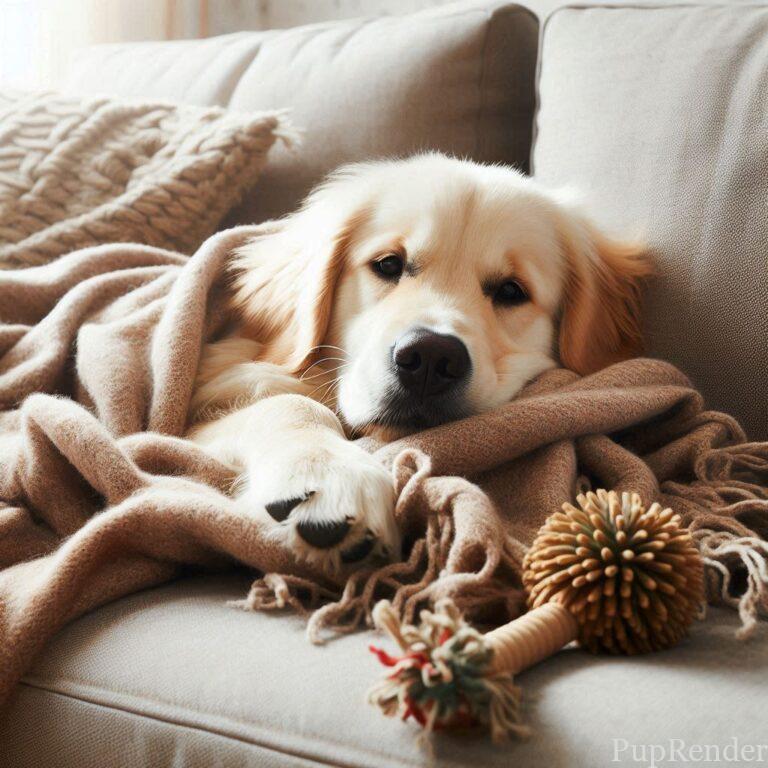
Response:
column 613, row 576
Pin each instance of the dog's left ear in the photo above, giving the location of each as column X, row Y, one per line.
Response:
column 601, row 318
column 286, row 278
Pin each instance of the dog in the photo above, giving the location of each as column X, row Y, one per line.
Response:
column 401, row 295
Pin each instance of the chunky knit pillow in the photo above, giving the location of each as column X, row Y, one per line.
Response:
column 79, row 171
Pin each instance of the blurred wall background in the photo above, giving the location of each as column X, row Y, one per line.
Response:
column 37, row 37
column 233, row 15
column 289, row 13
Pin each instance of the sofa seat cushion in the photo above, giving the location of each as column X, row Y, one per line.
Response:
column 458, row 79
column 660, row 116
column 174, row 676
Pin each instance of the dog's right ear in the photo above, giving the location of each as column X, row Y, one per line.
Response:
column 601, row 313
column 285, row 279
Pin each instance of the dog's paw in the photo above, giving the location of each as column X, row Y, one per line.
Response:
column 330, row 502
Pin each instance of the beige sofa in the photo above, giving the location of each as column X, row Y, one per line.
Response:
column 658, row 115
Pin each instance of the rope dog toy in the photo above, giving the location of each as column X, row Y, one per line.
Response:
column 613, row 576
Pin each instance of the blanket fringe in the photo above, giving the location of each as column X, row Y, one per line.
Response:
column 730, row 490
column 276, row 591
column 411, row 585
column 730, row 496
column 421, row 582
column 724, row 553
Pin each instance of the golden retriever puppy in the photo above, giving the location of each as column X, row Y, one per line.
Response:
column 401, row 295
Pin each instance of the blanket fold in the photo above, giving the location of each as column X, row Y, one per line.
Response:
column 100, row 495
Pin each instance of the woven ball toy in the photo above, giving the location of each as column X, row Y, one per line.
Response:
column 610, row 574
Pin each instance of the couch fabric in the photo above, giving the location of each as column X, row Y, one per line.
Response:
column 660, row 117
column 175, row 677
column 81, row 171
column 458, row 79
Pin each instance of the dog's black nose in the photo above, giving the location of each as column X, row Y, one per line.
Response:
column 430, row 363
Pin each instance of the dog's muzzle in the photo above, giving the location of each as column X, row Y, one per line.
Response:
column 431, row 371
column 429, row 364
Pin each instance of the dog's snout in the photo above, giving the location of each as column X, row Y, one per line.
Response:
column 430, row 363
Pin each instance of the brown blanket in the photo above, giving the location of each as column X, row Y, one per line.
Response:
column 99, row 496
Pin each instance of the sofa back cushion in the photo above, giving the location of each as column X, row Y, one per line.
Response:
column 457, row 78
column 660, row 117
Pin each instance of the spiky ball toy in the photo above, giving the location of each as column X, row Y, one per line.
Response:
column 614, row 576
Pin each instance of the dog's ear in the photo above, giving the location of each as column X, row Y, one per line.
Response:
column 600, row 320
column 286, row 278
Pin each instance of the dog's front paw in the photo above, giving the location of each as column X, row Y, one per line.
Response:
column 331, row 502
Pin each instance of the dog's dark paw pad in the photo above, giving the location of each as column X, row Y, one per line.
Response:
column 322, row 535
column 358, row 551
column 279, row 510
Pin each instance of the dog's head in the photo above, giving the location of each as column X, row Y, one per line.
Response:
column 440, row 287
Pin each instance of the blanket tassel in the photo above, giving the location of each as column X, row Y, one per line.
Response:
column 724, row 552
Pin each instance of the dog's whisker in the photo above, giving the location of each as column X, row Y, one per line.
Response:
column 325, row 360
column 328, row 346
column 325, row 372
column 322, row 372
column 330, row 360
column 328, row 385
column 328, row 396
column 322, row 359
column 324, row 385
column 319, row 362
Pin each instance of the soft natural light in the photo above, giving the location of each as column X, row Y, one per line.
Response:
column 376, row 369
column 19, row 49
column 39, row 37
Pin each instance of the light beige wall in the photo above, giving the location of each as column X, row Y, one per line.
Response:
column 288, row 13
column 232, row 15
column 37, row 37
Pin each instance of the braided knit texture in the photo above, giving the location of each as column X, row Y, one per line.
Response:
column 80, row 171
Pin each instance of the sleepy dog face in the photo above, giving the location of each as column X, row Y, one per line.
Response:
column 444, row 286
column 448, row 301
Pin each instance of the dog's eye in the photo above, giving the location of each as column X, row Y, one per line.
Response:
column 510, row 294
column 390, row 267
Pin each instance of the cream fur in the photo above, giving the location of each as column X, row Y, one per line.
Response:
column 310, row 364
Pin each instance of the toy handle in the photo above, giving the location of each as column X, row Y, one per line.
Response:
column 531, row 638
